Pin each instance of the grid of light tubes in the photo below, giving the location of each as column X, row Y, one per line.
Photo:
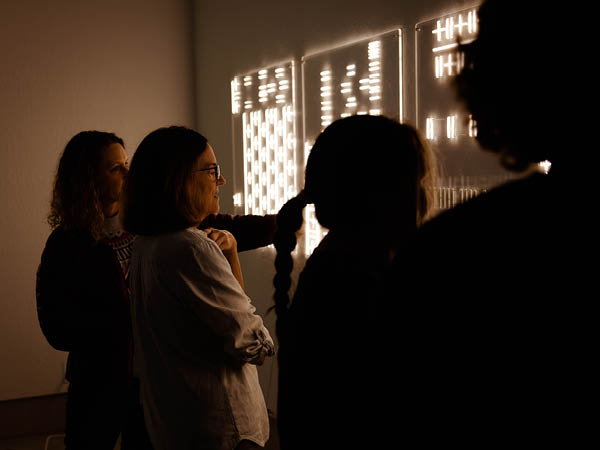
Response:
column 448, row 62
column 269, row 139
column 370, row 86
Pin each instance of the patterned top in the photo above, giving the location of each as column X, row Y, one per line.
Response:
column 119, row 240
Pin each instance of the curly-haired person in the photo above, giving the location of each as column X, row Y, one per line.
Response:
column 83, row 296
column 497, row 337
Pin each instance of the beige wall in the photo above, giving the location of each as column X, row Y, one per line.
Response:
column 67, row 66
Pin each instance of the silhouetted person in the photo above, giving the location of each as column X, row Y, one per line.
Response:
column 197, row 337
column 82, row 297
column 329, row 337
column 496, row 334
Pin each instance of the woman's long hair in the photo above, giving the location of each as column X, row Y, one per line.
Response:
column 157, row 196
column 76, row 203
column 362, row 171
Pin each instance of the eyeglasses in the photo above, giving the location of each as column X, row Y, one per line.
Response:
column 216, row 173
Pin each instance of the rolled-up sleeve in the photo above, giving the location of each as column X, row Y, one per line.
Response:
column 205, row 284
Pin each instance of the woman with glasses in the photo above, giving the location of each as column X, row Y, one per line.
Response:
column 197, row 337
column 330, row 394
column 82, row 295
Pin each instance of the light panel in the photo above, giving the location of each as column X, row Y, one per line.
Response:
column 449, row 128
column 264, row 133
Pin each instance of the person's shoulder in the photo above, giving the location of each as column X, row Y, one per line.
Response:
column 66, row 238
column 504, row 203
column 344, row 256
column 189, row 241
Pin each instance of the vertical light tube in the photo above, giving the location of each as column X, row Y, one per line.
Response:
column 245, row 161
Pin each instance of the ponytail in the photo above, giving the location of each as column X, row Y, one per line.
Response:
column 289, row 221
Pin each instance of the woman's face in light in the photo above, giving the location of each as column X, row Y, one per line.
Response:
column 206, row 181
column 112, row 171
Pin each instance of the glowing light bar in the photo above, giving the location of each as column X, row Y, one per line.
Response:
column 444, row 47
column 439, row 30
column 237, row 199
column 472, row 127
column 545, row 166
column 472, row 21
column 374, row 50
column 430, row 128
column 449, row 27
column 450, row 61
column 451, row 127
column 235, row 96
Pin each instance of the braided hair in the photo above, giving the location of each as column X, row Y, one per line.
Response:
column 289, row 221
column 368, row 162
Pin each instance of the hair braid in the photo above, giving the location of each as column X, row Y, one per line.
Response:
column 289, row 221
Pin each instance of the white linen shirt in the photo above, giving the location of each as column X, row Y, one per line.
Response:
column 196, row 337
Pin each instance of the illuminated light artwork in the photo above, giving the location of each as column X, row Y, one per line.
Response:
column 364, row 77
column 451, row 131
column 265, row 135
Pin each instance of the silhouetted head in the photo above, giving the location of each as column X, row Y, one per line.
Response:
column 362, row 170
column 173, row 182
column 90, row 174
column 365, row 164
column 516, row 84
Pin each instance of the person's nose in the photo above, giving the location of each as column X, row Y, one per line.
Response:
column 221, row 181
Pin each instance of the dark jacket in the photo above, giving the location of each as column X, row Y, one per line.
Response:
column 490, row 306
column 83, row 301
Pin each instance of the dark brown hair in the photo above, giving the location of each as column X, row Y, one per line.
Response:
column 362, row 170
column 508, row 93
column 76, row 203
column 157, row 196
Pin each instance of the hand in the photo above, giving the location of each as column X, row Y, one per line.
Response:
column 224, row 239
column 261, row 359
